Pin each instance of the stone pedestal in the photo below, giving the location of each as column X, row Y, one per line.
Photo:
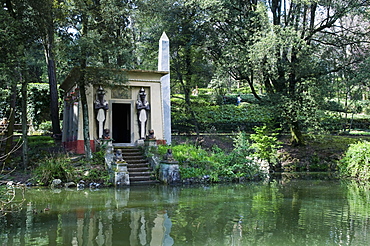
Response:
column 169, row 172
column 150, row 143
column 140, row 142
column 121, row 175
column 109, row 149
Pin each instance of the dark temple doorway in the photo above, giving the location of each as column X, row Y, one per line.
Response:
column 121, row 123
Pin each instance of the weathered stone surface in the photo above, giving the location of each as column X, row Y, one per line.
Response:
column 56, row 183
column 70, row 184
column 169, row 173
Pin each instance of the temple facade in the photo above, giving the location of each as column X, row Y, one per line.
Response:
column 123, row 112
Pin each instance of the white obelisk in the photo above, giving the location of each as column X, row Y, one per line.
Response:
column 164, row 65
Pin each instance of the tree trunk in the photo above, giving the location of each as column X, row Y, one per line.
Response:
column 191, row 112
column 85, row 114
column 24, row 125
column 50, row 61
column 296, row 134
column 82, row 85
column 11, row 121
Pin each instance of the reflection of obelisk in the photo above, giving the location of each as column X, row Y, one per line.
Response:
column 164, row 65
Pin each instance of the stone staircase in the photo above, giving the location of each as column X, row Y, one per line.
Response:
column 139, row 169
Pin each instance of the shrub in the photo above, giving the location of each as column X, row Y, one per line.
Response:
column 265, row 144
column 196, row 162
column 54, row 168
column 45, row 127
column 356, row 162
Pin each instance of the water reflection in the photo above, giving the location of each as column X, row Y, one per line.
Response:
column 283, row 212
column 107, row 217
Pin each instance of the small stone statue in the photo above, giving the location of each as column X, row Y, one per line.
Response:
column 101, row 106
column 168, row 157
column 118, row 157
column 106, row 134
column 150, row 135
column 142, row 107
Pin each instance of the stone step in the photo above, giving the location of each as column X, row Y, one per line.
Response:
column 138, row 169
column 140, row 172
column 141, row 162
column 138, row 164
column 145, row 182
column 140, row 178
column 132, row 154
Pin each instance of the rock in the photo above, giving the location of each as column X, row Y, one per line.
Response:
column 70, row 184
column 81, row 185
column 56, row 183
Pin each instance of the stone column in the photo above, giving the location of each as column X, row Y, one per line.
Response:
column 164, row 65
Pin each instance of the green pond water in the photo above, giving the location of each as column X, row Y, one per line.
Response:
column 279, row 212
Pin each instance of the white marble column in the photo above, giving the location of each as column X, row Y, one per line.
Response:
column 164, row 65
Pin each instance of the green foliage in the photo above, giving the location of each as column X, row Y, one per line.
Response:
column 98, row 157
column 216, row 164
column 45, row 128
column 34, row 141
column 356, row 162
column 54, row 168
column 224, row 118
column 265, row 144
column 97, row 174
column 39, row 147
column 38, row 103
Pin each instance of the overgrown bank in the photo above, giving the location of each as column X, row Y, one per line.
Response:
column 321, row 152
column 218, row 158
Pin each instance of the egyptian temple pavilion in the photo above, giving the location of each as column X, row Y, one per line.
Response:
column 120, row 114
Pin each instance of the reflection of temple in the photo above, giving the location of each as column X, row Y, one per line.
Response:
column 122, row 225
column 136, row 227
column 115, row 217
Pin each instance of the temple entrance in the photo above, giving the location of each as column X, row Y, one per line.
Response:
column 121, row 123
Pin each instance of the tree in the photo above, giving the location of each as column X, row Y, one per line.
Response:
column 18, row 39
column 277, row 44
column 44, row 17
column 189, row 64
column 97, row 35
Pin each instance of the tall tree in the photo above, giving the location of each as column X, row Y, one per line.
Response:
column 189, row 64
column 21, row 36
column 44, row 15
column 98, row 35
column 277, row 44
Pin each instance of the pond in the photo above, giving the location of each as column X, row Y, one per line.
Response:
column 280, row 212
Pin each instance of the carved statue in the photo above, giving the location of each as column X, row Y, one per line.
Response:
column 106, row 134
column 118, row 157
column 150, row 135
column 168, row 157
column 101, row 106
column 142, row 107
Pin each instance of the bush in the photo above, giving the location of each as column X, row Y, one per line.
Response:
column 45, row 127
column 196, row 162
column 356, row 162
column 265, row 144
column 54, row 168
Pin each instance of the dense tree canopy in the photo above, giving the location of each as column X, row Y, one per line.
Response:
column 288, row 53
